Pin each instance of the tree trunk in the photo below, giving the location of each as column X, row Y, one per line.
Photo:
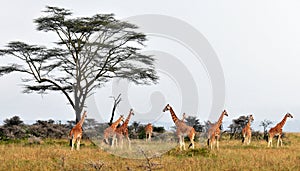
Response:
column 77, row 109
column 78, row 114
column 112, row 114
column 116, row 102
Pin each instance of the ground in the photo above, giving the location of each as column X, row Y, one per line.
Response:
column 56, row 155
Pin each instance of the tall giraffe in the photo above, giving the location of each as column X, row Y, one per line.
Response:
column 76, row 132
column 277, row 130
column 214, row 131
column 123, row 130
column 246, row 131
column 182, row 129
column 148, row 131
column 110, row 131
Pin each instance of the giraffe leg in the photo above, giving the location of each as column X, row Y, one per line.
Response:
column 113, row 141
column 129, row 143
column 217, row 143
column 278, row 140
column 78, row 144
column 249, row 139
column 183, row 143
column 106, row 141
column 243, row 140
column 192, row 142
column 211, row 143
column 180, row 143
column 73, row 142
column 270, row 144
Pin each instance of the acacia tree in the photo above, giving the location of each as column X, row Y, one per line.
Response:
column 195, row 123
column 89, row 52
column 265, row 123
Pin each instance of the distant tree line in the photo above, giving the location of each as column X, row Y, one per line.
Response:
column 15, row 128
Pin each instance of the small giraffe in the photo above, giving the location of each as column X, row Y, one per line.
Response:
column 148, row 131
column 123, row 130
column 182, row 129
column 246, row 131
column 76, row 132
column 110, row 131
column 214, row 131
column 277, row 130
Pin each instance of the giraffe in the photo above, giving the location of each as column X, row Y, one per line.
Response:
column 148, row 131
column 110, row 131
column 76, row 132
column 182, row 129
column 214, row 131
column 123, row 130
column 246, row 131
column 277, row 130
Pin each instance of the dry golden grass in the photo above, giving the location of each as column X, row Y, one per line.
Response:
column 56, row 155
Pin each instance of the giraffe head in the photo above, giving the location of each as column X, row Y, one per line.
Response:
column 168, row 107
column 251, row 117
column 122, row 118
column 225, row 113
column 131, row 112
column 84, row 115
column 289, row 115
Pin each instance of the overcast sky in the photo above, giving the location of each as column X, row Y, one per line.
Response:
column 257, row 44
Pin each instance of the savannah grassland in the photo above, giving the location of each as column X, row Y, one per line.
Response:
column 56, row 155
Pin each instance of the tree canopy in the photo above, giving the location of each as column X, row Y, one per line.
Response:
column 89, row 52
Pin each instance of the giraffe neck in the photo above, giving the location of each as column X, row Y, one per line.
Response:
column 127, row 119
column 281, row 124
column 249, row 122
column 115, row 124
column 174, row 117
column 219, row 123
column 82, row 119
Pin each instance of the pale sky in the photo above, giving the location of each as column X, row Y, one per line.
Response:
column 257, row 43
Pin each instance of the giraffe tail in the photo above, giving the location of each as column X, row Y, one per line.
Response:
column 70, row 137
column 208, row 142
column 243, row 139
column 71, row 133
column 190, row 145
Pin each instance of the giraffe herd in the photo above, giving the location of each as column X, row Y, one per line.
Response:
column 117, row 134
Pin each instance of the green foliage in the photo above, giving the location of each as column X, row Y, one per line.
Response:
column 14, row 121
column 195, row 123
column 159, row 129
column 197, row 152
column 15, row 129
